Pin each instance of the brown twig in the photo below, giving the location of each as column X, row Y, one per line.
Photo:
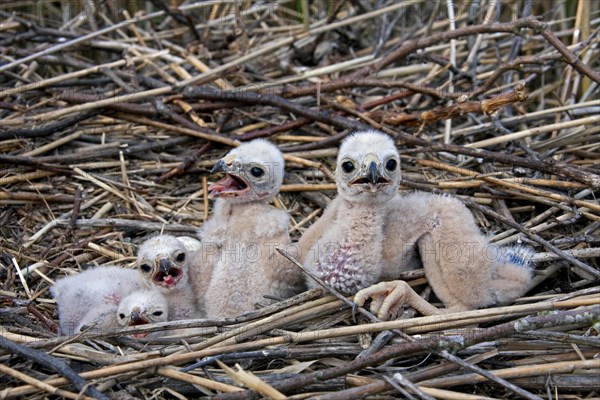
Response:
column 485, row 107
column 42, row 318
column 47, row 129
column 33, row 163
column 75, row 213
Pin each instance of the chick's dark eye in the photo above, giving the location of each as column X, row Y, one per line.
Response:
column 348, row 166
column 391, row 165
column 257, row 172
column 121, row 315
column 180, row 257
column 157, row 313
column 145, row 268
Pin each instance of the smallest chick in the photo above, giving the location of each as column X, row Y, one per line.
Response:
column 141, row 308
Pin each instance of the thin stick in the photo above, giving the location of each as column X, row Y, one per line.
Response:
column 399, row 378
column 53, row 363
column 517, row 372
column 203, row 133
column 102, row 103
column 129, row 223
column 5, row 369
column 197, row 380
column 252, row 381
column 77, row 74
column 53, row 145
column 593, row 120
column 482, row 373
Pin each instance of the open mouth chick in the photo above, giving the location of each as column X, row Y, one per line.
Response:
column 167, row 275
column 229, row 186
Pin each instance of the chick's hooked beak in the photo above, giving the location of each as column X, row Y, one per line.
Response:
column 135, row 316
column 164, row 265
column 220, row 166
column 138, row 319
column 373, row 174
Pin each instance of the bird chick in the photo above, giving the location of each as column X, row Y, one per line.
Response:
column 238, row 263
column 164, row 262
column 344, row 247
column 376, row 233
column 141, row 308
column 91, row 297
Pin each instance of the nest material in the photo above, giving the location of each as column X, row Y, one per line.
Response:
column 109, row 127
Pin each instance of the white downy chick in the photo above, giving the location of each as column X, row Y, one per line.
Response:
column 238, row 263
column 377, row 233
column 164, row 262
column 91, row 297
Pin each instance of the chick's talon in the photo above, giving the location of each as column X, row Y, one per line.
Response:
column 388, row 298
column 377, row 290
column 380, row 295
column 398, row 294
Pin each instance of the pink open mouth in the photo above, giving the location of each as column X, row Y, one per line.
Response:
column 137, row 322
column 229, row 186
column 168, row 279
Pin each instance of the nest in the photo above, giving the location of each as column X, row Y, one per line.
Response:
column 112, row 115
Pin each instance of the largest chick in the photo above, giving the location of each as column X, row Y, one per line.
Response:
column 239, row 263
column 370, row 233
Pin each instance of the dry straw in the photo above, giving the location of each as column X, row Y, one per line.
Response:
column 110, row 122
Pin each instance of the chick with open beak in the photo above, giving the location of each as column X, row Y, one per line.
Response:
column 164, row 270
column 240, row 238
column 164, row 262
column 246, row 178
